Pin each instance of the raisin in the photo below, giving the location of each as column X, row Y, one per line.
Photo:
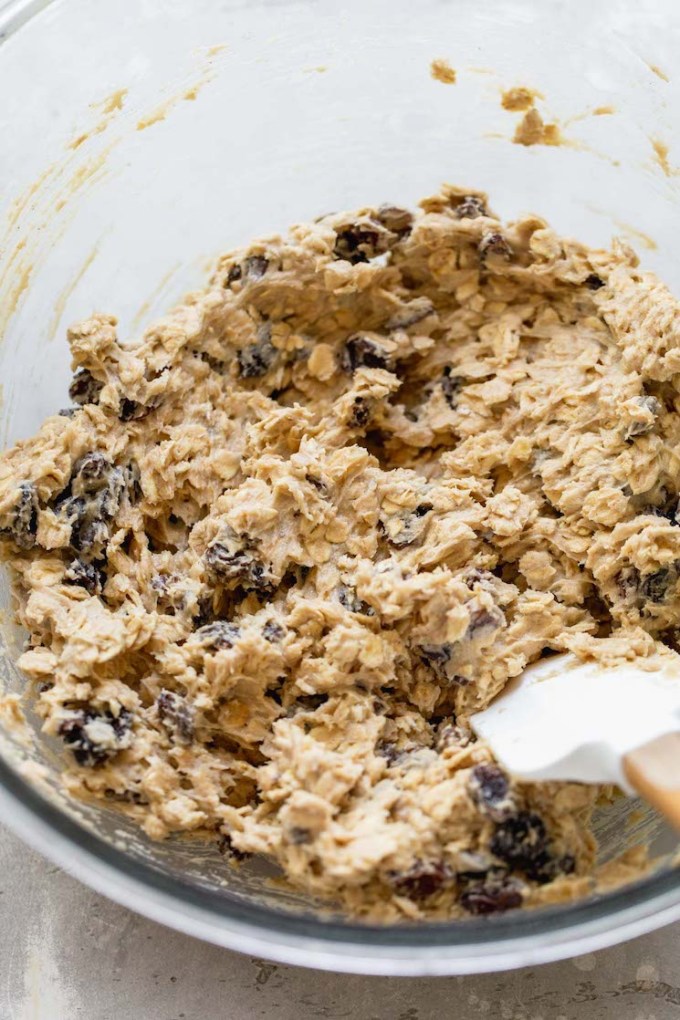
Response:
column 95, row 737
column 437, row 657
column 641, row 428
column 411, row 528
column 318, row 484
column 228, row 560
column 484, row 621
column 309, row 703
column 125, row 796
column 451, row 385
column 593, row 281
column 556, row 867
column 452, row 735
column 358, row 243
column 489, row 787
column 410, row 314
column 522, row 842
column 176, row 715
column 255, row 266
column 220, row 634
column 259, row 580
column 256, row 359
column 90, row 537
column 388, row 750
column 24, row 518
column 90, row 500
column 235, row 273
column 655, row 587
column 87, row 575
column 84, row 388
column 398, row 220
column 628, row 583
column 273, row 631
column 133, row 483
column 477, row 576
column 360, row 414
column 360, row 352
column 299, row 836
column 491, row 897
column 351, row 601
column 90, row 471
column 469, row 208
column 226, row 847
column 422, row 880
column 493, row 243
column 132, row 410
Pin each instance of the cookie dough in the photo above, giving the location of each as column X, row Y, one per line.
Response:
column 281, row 548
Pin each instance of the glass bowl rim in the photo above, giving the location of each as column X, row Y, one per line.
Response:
column 474, row 945
column 431, row 948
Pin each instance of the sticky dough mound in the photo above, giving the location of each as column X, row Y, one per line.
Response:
column 281, row 548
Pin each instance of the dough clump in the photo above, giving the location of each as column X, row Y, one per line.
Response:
column 280, row 549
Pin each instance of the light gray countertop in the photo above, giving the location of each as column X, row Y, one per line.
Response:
column 69, row 954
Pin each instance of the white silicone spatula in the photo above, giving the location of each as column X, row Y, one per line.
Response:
column 573, row 720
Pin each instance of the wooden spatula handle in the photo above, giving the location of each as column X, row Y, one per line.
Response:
column 654, row 771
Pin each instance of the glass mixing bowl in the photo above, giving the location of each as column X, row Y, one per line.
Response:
column 141, row 139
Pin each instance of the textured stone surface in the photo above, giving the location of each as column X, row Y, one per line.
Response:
column 68, row 954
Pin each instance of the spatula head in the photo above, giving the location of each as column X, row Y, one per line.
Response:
column 573, row 720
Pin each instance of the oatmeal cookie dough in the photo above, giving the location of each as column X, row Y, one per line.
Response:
column 281, row 548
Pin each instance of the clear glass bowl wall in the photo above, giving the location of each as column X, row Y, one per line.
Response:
column 140, row 140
